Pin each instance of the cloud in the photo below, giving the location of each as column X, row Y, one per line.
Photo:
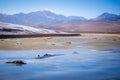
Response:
column 47, row 9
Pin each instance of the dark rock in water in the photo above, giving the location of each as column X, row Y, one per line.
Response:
column 68, row 42
column 44, row 56
column 20, row 63
column 75, row 52
column 47, row 56
column 114, row 39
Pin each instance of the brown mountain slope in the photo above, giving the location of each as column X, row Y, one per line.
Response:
column 89, row 27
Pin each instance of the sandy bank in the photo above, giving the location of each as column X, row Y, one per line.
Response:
column 77, row 42
column 99, row 34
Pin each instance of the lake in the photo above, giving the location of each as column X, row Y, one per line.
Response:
column 69, row 64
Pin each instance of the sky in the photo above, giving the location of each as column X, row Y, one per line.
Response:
column 85, row 8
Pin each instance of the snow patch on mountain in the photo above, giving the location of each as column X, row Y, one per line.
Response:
column 7, row 28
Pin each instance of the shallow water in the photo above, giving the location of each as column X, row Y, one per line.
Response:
column 72, row 64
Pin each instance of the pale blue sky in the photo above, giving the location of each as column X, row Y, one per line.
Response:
column 85, row 8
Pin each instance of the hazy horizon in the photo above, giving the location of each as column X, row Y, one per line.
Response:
column 84, row 8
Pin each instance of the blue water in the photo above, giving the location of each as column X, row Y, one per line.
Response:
column 73, row 64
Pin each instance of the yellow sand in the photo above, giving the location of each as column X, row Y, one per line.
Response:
column 59, row 42
column 100, row 34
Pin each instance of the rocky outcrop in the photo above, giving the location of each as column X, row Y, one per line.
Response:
column 16, row 62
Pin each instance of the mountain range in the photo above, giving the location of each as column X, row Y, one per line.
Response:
column 46, row 22
column 39, row 17
column 48, row 17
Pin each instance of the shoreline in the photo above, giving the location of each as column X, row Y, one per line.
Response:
column 14, row 36
column 7, row 36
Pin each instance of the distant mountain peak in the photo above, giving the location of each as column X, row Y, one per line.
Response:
column 108, row 17
column 47, row 11
column 106, row 14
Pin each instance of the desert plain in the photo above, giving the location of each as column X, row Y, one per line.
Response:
column 59, row 42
